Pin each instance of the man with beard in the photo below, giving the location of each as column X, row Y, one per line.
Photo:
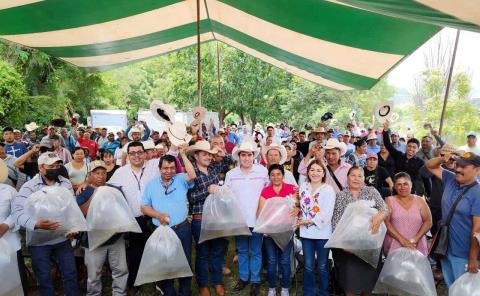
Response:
column 49, row 175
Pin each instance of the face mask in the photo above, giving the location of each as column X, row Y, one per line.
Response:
column 52, row 174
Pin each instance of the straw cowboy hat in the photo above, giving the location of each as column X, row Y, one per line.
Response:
column 31, row 126
column 3, row 171
column 245, row 146
column 177, row 134
column 333, row 143
column 201, row 146
column 371, row 136
column 320, row 129
column 383, row 111
column 280, row 148
column 162, row 111
column 199, row 113
column 135, row 129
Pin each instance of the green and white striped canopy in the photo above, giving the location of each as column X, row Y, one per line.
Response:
column 340, row 44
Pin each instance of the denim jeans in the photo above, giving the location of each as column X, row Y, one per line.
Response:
column 41, row 263
column 452, row 268
column 184, row 233
column 274, row 256
column 310, row 247
column 209, row 257
column 249, row 250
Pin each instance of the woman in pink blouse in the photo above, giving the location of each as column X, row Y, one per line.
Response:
column 409, row 219
column 277, row 189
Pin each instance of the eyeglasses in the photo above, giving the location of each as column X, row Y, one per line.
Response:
column 133, row 153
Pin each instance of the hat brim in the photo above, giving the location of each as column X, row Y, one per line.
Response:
column 236, row 152
column 176, row 140
column 342, row 149
column 194, row 150
column 162, row 112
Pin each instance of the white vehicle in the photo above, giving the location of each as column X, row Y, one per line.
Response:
column 113, row 120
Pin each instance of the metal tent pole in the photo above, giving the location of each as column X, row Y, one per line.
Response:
column 449, row 81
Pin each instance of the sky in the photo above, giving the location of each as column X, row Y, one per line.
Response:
column 467, row 59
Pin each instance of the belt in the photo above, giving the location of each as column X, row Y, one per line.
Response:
column 175, row 227
column 197, row 216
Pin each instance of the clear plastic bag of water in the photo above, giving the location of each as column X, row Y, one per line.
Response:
column 352, row 233
column 54, row 203
column 466, row 285
column 107, row 215
column 406, row 272
column 222, row 216
column 163, row 258
column 10, row 278
column 275, row 217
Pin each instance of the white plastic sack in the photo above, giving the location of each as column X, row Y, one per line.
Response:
column 352, row 232
column 10, row 278
column 406, row 271
column 222, row 216
column 57, row 204
column 107, row 215
column 275, row 216
column 466, row 285
column 163, row 258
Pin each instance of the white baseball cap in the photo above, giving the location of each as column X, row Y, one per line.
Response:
column 48, row 158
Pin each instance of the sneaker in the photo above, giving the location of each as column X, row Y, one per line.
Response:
column 255, row 290
column 272, row 292
column 240, row 286
column 285, row 292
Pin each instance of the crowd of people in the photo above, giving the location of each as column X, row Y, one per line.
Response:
column 166, row 177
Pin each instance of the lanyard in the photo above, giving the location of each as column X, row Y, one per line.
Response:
column 138, row 179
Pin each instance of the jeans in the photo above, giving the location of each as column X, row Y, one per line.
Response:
column 250, row 256
column 117, row 260
column 41, row 263
column 136, row 244
column 211, row 254
column 184, row 233
column 275, row 255
column 310, row 247
column 452, row 268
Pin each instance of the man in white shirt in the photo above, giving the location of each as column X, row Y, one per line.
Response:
column 471, row 145
column 132, row 179
column 277, row 154
column 247, row 181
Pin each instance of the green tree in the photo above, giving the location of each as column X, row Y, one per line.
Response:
column 13, row 98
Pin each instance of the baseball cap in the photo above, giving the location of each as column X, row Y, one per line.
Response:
column 468, row 158
column 46, row 142
column 16, row 131
column 96, row 164
column 48, row 158
column 472, row 134
column 372, row 155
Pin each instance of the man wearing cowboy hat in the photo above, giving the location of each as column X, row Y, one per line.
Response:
column 165, row 200
column 277, row 154
column 247, row 181
column 135, row 133
column 372, row 146
column 210, row 254
column 337, row 168
column 320, row 137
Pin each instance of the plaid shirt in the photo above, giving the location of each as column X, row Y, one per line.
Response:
column 199, row 192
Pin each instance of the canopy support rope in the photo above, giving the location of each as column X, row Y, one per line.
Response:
column 449, row 81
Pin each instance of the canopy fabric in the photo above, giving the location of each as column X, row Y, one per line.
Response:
column 328, row 42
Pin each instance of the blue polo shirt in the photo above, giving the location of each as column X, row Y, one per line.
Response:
column 461, row 225
column 171, row 201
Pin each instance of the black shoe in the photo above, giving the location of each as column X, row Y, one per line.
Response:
column 255, row 290
column 240, row 286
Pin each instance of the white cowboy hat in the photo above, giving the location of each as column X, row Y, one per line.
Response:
column 31, row 126
column 199, row 113
column 245, row 146
column 383, row 111
column 333, row 143
column 162, row 111
column 280, row 148
column 372, row 136
column 134, row 129
column 148, row 145
column 3, row 171
column 320, row 129
column 177, row 134
column 201, row 146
